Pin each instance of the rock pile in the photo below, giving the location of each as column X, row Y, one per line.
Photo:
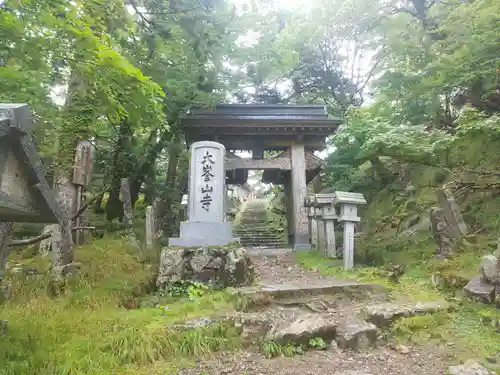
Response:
column 485, row 287
column 218, row 267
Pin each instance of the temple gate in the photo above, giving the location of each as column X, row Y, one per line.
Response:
column 294, row 132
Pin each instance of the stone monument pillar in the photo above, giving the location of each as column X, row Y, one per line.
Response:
column 326, row 224
column 349, row 203
column 299, row 195
column 206, row 224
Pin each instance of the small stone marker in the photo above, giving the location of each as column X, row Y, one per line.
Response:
column 45, row 245
column 184, row 207
column 206, row 225
column 349, row 203
column 150, row 227
column 25, row 195
column 326, row 223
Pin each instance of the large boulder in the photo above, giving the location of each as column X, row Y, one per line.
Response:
column 490, row 269
column 219, row 267
column 302, row 329
column 480, row 290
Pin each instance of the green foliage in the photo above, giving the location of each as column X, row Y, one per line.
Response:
column 271, row 349
column 187, row 288
column 89, row 330
column 317, row 343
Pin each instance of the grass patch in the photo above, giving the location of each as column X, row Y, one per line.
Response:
column 411, row 286
column 88, row 331
column 469, row 334
column 472, row 330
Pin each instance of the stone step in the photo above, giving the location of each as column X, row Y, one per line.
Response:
column 344, row 326
column 257, row 235
column 326, row 287
column 254, row 230
column 276, row 244
column 263, row 244
column 260, row 238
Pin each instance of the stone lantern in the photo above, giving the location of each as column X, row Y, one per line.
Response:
column 326, row 217
column 349, row 203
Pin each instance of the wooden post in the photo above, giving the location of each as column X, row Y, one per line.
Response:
column 128, row 214
column 150, row 227
column 82, row 176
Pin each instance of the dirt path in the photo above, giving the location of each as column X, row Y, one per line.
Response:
column 282, row 269
column 278, row 266
column 382, row 361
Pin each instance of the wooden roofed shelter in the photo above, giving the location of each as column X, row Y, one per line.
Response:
column 296, row 131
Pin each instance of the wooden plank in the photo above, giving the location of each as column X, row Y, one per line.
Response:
column 82, row 171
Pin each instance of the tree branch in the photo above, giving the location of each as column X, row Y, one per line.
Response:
column 87, row 204
column 31, row 241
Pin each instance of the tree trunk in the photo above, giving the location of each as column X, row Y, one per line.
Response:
column 128, row 213
column 166, row 215
column 98, row 205
column 120, row 164
column 148, row 165
column 150, row 187
column 76, row 123
column 62, row 247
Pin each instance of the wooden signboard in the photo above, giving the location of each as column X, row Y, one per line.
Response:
column 82, row 172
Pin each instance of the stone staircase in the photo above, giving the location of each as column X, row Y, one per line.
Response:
column 291, row 306
column 347, row 315
column 290, row 310
column 256, row 228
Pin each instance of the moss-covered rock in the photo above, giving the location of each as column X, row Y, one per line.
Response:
column 220, row 267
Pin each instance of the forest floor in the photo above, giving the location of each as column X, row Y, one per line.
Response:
column 106, row 323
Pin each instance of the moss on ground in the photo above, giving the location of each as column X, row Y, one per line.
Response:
column 89, row 330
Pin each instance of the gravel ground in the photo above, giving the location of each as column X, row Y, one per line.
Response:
column 280, row 267
column 382, row 361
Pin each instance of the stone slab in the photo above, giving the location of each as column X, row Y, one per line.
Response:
column 196, row 233
column 296, row 290
column 356, row 335
column 384, row 314
column 207, row 182
column 470, row 367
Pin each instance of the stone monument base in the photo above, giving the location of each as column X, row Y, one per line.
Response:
column 200, row 233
